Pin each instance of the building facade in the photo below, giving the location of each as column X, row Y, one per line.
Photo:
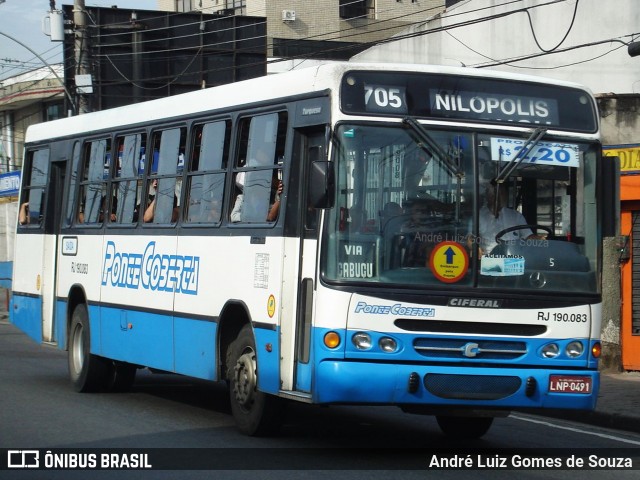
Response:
column 26, row 99
column 321, row 29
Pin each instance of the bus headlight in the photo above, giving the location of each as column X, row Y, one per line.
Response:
column 574, row 349
column 388, row 344
column 550, row 351
column 361, row 340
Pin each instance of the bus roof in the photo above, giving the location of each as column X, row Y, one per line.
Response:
column 295, row 82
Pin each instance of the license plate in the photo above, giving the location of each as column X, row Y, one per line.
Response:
column 570, row 384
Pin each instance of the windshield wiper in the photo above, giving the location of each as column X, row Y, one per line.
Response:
column 433, row 148
column 529, row 145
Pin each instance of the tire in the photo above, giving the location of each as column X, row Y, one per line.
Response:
column 120, row 377
column 464, row 427
column 255, row 413
column 88, row 372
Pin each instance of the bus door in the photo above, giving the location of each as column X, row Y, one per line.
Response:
column 52, row 219
column 296, row 336
column 35, row 250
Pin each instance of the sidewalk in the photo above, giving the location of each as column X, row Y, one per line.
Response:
column 618, row 403
column 4, row 314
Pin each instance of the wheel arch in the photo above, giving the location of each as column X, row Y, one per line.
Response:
column 233, row 317
column 76, row 297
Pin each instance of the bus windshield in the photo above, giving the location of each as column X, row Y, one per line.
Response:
column 424, row 207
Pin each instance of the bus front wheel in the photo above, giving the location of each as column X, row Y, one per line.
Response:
column 88, row 372
column 464, row 427
column 256, row 413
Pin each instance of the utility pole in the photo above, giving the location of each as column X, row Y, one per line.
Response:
column 82, row 53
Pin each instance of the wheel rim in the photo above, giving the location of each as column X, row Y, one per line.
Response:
column 245, row 379
column 77, row 349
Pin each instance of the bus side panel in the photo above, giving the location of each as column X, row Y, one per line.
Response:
column 195, row 348
column 60, row 327
column 94, row 312
column 137, row 337
column 26, row 314
column 268, row 355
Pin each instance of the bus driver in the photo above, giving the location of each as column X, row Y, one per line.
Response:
column 495, row 216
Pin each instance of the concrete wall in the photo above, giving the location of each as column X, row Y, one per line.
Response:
column 8, row 217
column 469, row 40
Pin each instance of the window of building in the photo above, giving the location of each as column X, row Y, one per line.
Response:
column 351, row 9
column 54, row 111
column 239, row 6
column 184, row 6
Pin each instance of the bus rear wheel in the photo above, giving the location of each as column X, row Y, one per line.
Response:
column 464, row 427
column 88, row 372
column 256, row 413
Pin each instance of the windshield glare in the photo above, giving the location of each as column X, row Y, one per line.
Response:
column 426, row 208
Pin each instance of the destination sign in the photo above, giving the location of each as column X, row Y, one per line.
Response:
column 450, row 97
column 507, row 108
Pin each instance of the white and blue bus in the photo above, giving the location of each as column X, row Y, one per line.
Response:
column 325, row 236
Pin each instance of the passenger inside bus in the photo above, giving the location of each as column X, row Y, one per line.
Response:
column 274, row 198
column 390, row 211
column 103, row 208
column 149, row 213
column 23, row 214
column 417, row 239
column 495, row 216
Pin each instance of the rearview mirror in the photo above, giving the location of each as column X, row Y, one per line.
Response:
column 321, row 184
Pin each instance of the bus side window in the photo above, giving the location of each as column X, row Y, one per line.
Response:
column 73, row 184
column 164, row 183
column 206, row 177
column 93, row 192
column 127, row 177
column 33, row 195
column 259, row 169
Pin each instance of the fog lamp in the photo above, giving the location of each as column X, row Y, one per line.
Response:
column 574, row 349
column 388, row 344
column 362, row 340
column 550, row 351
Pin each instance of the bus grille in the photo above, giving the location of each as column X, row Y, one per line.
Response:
column 443, row 348
column 471, row 387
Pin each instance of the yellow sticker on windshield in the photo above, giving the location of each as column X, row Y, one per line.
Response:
column 449, row 261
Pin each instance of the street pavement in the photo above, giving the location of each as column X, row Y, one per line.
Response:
column 618, row 404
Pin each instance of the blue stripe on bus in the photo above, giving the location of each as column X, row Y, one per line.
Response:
column 61, row 324
column 407, row 353
column 181, row 345
column 136, row 337
column 195, row 348
column 268, row 357
column 26, row 314
column 347, row 375
column 362, row 382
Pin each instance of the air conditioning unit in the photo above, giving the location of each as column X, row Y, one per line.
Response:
column 288, row 15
